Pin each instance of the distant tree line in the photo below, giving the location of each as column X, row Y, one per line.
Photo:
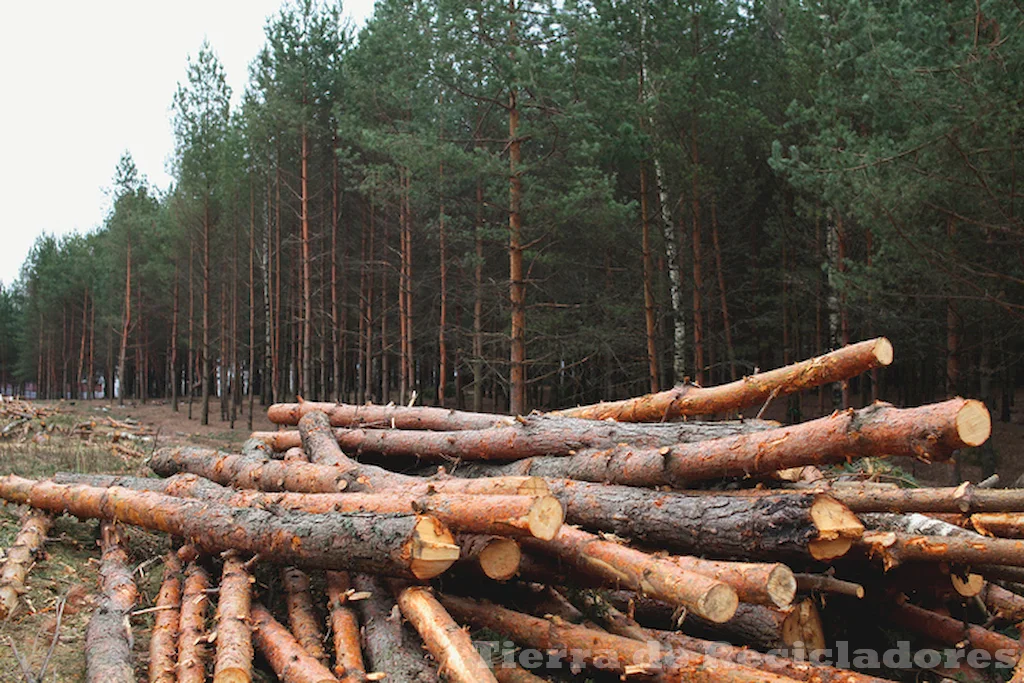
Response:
column 529, row 204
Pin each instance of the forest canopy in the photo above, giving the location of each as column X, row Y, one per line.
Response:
column 531, row 204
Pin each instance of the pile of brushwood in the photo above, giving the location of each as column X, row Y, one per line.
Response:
column 23, row 421
column 623, row 540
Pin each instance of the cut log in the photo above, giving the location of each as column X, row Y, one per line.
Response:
column 459, row 661
column 797, row 629
column 108, row 637
column 193, row 653
column 963, row 499
column 388, row 646
column 518, row 515
column 930, row 432
column 248, row 472
column 28, row 545
column 233, row 659
column 496, row 557
column 163, row 641
column 754, row 582
column 348, row 653
column 822, row 583
column 516, row 674
column 895, row 548
column 1001, row 524
column 622, row 625
column 688, row 400
column 394, row 417
column 401, row 545
column 303, row 621
column 528, row 436
column 1002, row 603
column 284, row 654
column 602, row 650
column 763, row 526
column 659, row 577
column 953, row 632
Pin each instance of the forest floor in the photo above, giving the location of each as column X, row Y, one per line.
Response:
column 69, row 572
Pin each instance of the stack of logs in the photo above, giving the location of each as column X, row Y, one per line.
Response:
column 711, row 540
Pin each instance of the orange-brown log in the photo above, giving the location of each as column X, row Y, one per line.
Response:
column 163, row 640
column 303, row 621
column 516, row 674
column 458, row 660
column 390, row 416
column 895, row 548
column 760, row 526
column 622, row 625
column 284, row 654
column 528, row 436
column 836, row 366
column 930, row 432
column 389, row 646
column 295, row 454
column 963, row 499
column 193, row 653
column 952, row 632
column 757, row 583
column 603, row 650
column 797, row 629
column 348, row 653
column 108, row 638
column 513, row 515
column 1001, row 524
column 658, row 576
column 823, row 583
column 496, row 557
column 403, row 545
column 1003, row 603
column 28, row 545
column 233, row 659
column 251, row 472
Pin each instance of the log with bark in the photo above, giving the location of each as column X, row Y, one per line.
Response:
column 108, row 637
column 401, row 545
column 952, row 632
column 1000, row 524
column 163, row 640
column 964, row 499
column 303, row 620
column 457, row 658
column 388, row 645
column 392, row 416
column 571, row 644
column 760, row 526
column 659, row 577
column 249, row 472
column 754, row 390
column 344, row 623
column 527, row 436
column 1002, row 603
column 496, row 557
column 193, row 652
column 931, row 432
column 511, row 515
column 233, row 659
column 286, row 657
column 28, row 546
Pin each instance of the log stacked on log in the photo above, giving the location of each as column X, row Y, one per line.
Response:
column 606, row 537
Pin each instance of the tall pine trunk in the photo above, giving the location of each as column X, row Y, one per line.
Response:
column 205, row 327
column 478, row 301
column 307, row 279
column 127, row 321
column 517, row 285
column 174, row 343
column 723, row 299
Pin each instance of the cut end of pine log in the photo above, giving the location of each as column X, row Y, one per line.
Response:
column 781, row 585
column 719, row 604
column 500, row 558
column 967, row 586
column 433, row 549
column 232, row 676
column 883, row 351
column 837, row 526
column 546, row 517
column 973, row 423
column 802, row 629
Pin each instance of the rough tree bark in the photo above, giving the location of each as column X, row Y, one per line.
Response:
column 284, row 654
column 344, row 622
column 193, row 652
column 233, row 660
column 108, row 638
column 163, row 640
column 28, row 545
column 395, row 417
column 402, row 545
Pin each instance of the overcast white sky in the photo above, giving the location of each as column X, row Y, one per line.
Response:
column 82, row 82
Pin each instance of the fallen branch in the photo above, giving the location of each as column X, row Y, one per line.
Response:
column 284, row 654
column 348, row 654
